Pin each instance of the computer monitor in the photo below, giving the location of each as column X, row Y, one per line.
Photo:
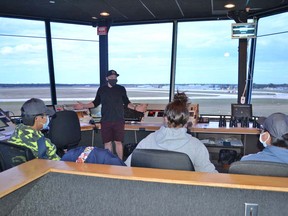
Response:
column 3, row 124
column 4, row 116
column 243, row 30
column 241, row 110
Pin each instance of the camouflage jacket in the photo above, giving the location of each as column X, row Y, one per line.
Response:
column 30, row 138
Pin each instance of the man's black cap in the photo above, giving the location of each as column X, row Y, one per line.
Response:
column 112, row 72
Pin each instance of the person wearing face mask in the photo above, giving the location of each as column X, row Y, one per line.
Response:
column 274, row 138
column 113, row 98
column 35, row 117
column 173, row 136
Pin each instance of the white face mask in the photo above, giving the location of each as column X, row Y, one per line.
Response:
column 264, row 142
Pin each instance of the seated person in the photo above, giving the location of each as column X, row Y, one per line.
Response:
column 274, row 138
column 35, row 117
column 84, row 154
column 173, row 136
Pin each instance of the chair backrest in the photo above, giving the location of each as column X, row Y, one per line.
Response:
column 64, row 129
column 260, row 168
column 161, row 159
column 12, row 155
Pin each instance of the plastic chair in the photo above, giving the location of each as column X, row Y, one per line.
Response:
column 12, row 155
column 260, row 168
column 161, row 159
column 64, row 130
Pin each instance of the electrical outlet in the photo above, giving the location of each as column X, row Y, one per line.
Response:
column 251, row 209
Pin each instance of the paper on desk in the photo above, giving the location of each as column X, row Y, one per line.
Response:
column 207, row 141
column 236, row 143
column 7, row 133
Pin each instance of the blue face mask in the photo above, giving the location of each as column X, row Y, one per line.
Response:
column 46, row 125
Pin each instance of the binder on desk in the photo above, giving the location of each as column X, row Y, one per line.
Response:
column 132, row 115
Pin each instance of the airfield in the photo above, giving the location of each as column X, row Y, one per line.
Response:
column 210, row 101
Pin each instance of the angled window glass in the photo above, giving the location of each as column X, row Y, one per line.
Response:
column 76, row 62
column 23, row 62
column 207, row 65
column 141, row 54
column 270, row 83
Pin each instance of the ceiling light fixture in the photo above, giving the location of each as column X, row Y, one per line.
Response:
column 52, row 2
column 94, row 17
column 104, row 13
column 229, row 5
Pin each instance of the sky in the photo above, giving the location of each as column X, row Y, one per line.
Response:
column 140, row 54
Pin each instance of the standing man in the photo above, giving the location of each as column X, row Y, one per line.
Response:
column 112, row 97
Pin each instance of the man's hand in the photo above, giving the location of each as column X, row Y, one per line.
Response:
column 141, row 108
column 78, row 106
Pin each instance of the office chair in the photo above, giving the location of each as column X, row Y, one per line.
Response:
column 161, row 159
column 64, row 130
column 260, row 168
column 12, row 155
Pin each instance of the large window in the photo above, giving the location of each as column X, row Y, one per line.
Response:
column 270, row 88
column 23, row 60
column 76, row 62
column 207, row 65
column 141, row 54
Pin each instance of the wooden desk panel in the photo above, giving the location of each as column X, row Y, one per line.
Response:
column 23, row 174
column 211, row 127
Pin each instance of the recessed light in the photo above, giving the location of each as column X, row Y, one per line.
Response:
column 229, row 6
column 104, row 13
column 52, row 2
column 94, row 17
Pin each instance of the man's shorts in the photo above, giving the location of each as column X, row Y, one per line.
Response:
column 112, row 131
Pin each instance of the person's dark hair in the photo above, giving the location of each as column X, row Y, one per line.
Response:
column 281, row 142
column 176, row 111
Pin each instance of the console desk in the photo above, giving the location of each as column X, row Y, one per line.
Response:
column 248, row 136
column 211, row 127
column 66, row 188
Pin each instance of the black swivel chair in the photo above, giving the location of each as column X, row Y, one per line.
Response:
column 12, row 155
column 260, row 168
column 161, row 159
column 64, row 130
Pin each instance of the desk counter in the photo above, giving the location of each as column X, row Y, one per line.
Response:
column 23, row 174
column 42, row 187
column 211, row 127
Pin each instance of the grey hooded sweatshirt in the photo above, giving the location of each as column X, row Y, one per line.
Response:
column 178, row 140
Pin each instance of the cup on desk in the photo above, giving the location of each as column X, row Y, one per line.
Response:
column 85, row 119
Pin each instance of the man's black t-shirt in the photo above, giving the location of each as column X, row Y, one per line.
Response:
column 112, row 100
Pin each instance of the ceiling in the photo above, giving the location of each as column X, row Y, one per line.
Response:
column 136, row 11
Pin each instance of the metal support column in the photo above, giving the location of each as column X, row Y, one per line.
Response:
column 242, row 67
column 173, row 61
column 50, row 63
column 103, row 51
